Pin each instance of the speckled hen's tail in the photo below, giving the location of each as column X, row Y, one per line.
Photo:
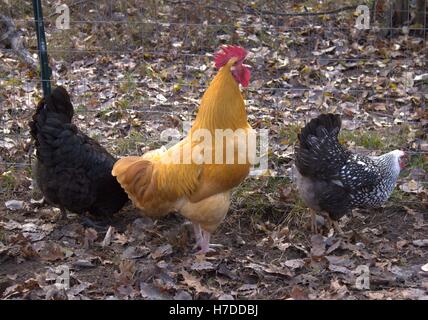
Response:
column 319, row 153
column 325, row 124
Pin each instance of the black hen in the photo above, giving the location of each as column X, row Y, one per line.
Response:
column 331, row 178
column 73, row 171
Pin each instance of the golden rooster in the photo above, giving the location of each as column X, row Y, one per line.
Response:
column 195, row 176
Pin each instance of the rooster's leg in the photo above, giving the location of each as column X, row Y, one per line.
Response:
column 205, row 243
column 314, row 227
column 198, row 235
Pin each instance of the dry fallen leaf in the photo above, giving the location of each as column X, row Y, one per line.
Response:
column 420, row 242
column 52, row 251
column 150, row 292
column 298, row 293
column 162, row 251
column 318, row 245
column 202, row 266
column 14, row 204
column 413, row 186
column 193, row 282
column 134, row 252
column 294, row 263
column 126, row 272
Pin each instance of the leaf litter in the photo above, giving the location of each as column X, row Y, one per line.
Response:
column 268, row 250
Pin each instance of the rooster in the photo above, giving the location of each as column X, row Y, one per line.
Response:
column 72, row 170
column 199, row 190
column 332, row 179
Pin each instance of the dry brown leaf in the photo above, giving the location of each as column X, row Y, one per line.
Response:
column 194, row 282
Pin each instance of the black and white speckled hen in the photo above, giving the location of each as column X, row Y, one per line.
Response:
column 72, row 170
column 332, row 179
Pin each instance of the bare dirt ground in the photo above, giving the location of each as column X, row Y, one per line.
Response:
column 142, row 70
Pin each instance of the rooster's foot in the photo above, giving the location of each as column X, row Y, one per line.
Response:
column 198, row 235
column 204, row 251
column 205, row 244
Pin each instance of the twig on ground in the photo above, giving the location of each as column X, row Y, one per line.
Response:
column 12, row 38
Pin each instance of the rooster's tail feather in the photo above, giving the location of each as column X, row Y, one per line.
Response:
column 134, row 175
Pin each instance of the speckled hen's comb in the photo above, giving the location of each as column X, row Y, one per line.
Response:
column 226, row 53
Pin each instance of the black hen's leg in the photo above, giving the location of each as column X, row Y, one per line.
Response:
column 63, row 213
column 314, row 227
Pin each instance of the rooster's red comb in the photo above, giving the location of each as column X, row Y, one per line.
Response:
column 222, row 56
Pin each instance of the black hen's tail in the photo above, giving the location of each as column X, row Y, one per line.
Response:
column 51, row 126
column 319, row 154
column 57, row 106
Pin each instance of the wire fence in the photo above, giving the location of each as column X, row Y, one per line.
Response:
column 136, row 68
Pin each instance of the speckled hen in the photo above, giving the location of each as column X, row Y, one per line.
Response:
column 332, row 179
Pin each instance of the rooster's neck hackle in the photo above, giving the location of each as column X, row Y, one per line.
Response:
column 222, row 106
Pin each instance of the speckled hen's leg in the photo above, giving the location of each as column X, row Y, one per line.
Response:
column 337, row 227
column 329, row 221
column 314, row 227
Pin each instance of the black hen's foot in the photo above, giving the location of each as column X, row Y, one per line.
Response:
column 89, row 223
